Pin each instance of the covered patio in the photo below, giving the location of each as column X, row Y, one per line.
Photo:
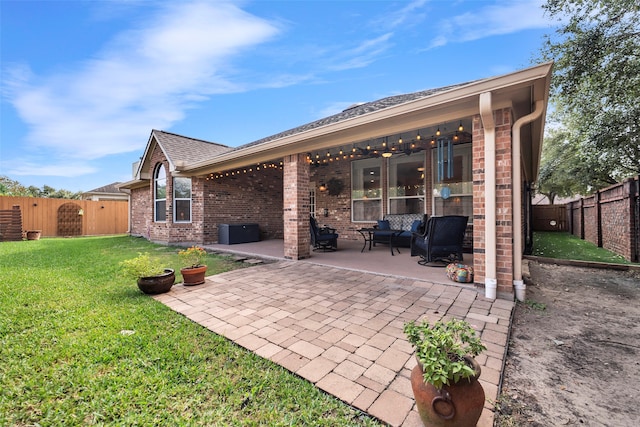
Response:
column 350, row 257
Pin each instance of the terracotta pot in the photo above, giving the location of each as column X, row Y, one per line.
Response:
column 193, row 275
column 33, row 235
column 157, row 284
column 458, row 405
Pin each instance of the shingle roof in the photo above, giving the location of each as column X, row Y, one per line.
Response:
column 355, row 111
column 184, row 149
column 109, row 188
column 190, row 150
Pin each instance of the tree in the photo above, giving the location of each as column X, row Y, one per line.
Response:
column 9, row 187
column 560, row 165
column 595, row 91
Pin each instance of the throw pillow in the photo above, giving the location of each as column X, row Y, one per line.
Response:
column 383, row 225
column 415, row 226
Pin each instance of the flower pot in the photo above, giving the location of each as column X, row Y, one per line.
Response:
column 193, row 275
column 33, row 235
column 157, row 284
column 458, row 404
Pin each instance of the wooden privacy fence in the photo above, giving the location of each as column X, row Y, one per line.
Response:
column 549, row 218
column 64, row 217
column 610, row 218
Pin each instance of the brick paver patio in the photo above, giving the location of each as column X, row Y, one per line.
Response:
column 342, row 329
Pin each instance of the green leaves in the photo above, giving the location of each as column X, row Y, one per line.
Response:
column 441, row 349
column 595, row 91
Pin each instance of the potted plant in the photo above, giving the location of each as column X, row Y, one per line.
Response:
column 193, row 267
column 151, row 276
column 445, row 381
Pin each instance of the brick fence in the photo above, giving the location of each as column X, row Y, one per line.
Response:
column 610, row 218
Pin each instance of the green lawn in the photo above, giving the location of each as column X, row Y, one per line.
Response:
column 80, row 345
column 567, row 246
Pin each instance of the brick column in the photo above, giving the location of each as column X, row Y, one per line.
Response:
column 504, row 201
column 479, row 245
column 297, row 238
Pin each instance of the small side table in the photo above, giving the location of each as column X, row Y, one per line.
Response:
column 367, row 235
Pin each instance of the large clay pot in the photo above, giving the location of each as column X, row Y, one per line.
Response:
column 157, row 284
column 458, row 405
column 193, row 275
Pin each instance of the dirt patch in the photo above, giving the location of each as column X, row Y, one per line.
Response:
column 574, row 353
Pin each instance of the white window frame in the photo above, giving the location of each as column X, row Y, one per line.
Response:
column 156, row 179
column 312, row 199
column 176, row 199
column 357, row 181
column 392, row 172
column 459, row 190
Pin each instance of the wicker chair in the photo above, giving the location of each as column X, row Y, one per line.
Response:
column 442, row 240
column 323, row 238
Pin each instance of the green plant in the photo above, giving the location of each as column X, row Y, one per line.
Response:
column 141, row 266
column 441, row 349
column 192, row 257
column 536, row 305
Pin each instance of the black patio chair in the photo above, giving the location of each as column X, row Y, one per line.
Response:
column 442, row 240
column 323, row 238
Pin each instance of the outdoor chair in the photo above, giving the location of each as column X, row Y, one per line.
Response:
column 442, row 240
column 323, row 238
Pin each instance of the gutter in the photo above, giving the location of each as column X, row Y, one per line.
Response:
column 518, row 283
column 489, row 125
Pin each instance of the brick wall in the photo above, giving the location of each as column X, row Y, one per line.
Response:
column 609, row 218
column 252, row 197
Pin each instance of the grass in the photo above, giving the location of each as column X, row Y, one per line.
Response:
column 567, row 246
column 80, row 345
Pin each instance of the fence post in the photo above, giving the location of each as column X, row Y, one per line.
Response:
column 582, row 218
column 598, row 197
column 635, row 194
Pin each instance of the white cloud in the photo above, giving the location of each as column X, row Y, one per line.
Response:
column 65, row 169
column 362, row 55
column 492, row 20
column 146, row 77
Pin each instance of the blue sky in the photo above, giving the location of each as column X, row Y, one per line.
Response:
column 83, row 83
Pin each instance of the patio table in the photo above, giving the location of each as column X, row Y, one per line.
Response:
column 367, row 235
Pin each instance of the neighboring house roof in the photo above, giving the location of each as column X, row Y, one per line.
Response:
column 109, row 191
column 109, row 188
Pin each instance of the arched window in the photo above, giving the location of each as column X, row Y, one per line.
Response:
column 160, row 193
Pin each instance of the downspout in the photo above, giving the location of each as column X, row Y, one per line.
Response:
column 518, row 283
column 489, row 125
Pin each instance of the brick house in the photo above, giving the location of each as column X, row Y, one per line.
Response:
column 470, row 149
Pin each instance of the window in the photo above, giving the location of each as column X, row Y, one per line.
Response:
column 406, row 184
column 366, row 190
column 312, row 199
column 160, row 194
column 182, row 199
column 452, row 180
